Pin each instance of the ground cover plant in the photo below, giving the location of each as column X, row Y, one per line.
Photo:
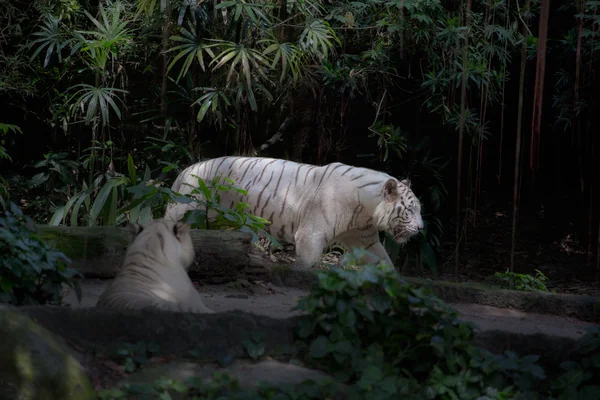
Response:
column 31, row 272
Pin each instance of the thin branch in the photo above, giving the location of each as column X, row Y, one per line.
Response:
column 378, row 110
column 521, row 19
column 278, row 136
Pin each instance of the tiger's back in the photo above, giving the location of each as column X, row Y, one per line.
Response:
column 278, row 190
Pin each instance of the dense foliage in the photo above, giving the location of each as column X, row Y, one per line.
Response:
column 168, row 83
column 389, row 338
column 95, row 92
column 31, row 272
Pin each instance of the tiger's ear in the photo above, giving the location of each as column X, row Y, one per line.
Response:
column 406, row 182
column 180, row 229
column 390, row 190
column 134, row 229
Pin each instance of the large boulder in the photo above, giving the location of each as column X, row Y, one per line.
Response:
column 36, row 365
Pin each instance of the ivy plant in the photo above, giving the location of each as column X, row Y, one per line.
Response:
column 31, row 272
column 371, row 329
column 581, row 376
column 522, row 282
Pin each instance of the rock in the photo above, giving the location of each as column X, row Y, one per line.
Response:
column 222, row 335
column 237, row 296
column 212, row 335
column 36, row 365
column 98, row 251
column 248, row 374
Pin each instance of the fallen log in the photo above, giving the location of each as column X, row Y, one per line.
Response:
column 98, row 251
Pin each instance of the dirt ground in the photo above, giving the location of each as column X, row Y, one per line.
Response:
column 267, row 299
column 263, row 299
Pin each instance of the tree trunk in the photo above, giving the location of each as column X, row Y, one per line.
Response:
column 461, row 135
column 518, row 148
column 99, row 251
column 538, row 93
column 165, row 46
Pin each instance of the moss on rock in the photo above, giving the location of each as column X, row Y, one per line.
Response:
column 35, row 365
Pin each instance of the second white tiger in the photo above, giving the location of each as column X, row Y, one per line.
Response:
column 154, row 272
column 311, row 206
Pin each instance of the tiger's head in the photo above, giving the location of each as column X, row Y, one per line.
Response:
column 165, row 240
column 399, row 212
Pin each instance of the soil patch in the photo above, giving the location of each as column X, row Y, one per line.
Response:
column 267, row 299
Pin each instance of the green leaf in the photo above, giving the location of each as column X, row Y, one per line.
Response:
column 129, row 365
column 100, row 201
column 344, row 347
column 39, row 179
column 372, row 375
column 58, row 216
column 203, row 109
column 112, row 211
column 6, row 285
column 81, row 198
column 131, row 170
column 306, row 327
column 165, row 396
column 255, row 350
column 319, row 347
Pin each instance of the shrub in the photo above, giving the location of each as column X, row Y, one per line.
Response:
column 390, row 339
column 523, row 282
column 30, row 271
column 208, row 197
column 580, row 378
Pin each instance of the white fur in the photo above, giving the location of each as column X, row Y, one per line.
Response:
column 312, row 206
column 154, row 272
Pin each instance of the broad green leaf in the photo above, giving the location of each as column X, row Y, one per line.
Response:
column 102, row 196
column 319, row 347
column 131, row 169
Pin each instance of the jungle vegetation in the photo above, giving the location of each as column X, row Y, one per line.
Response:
column 487, row 106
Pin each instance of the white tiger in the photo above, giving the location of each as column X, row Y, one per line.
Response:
column 154, row 272
column 311, row 206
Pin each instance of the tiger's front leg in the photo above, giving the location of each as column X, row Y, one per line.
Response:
column 381, row 253
column 370, row 244
column 309, row 247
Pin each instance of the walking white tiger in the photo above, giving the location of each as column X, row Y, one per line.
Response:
column 312, row 206
column 154, row 272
